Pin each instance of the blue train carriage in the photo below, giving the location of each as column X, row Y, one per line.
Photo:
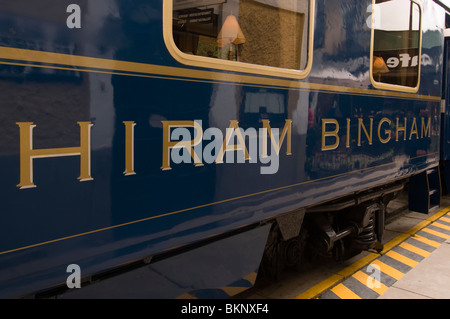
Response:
column 166, row 149
column 445, row 109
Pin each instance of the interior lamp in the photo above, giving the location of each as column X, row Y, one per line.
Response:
column 379, row 66
column 230, row 33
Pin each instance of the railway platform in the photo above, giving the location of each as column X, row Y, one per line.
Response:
column 414, row 264
column 430, row 279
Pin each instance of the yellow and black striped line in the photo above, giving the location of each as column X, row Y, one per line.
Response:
column 398, row 257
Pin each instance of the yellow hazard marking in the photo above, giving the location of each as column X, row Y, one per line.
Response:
column 186, row 296
column 394, row 242
column 320, row 287
column 372, row 258
column 251, row 277
column 344, row 293
column 441, row 226
column 388, row 270
column 403, row 259
column 370, row 282
column 436, row 233
column 414, row 249
column 445, row 219
column 232, row 291
column 439, row 214
column 350, row 270
column 426, row 241
column 418, row 227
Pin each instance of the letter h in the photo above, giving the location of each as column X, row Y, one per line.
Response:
column 27, row 153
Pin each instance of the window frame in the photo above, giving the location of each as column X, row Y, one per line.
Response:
column 389, row 86
column 236, row 66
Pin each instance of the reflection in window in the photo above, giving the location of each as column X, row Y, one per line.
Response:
column 396, row 42
column 264, row 103
column 264, row 32
column 261, row 104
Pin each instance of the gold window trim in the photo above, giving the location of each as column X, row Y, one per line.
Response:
column 395, row 87
column 236, row 66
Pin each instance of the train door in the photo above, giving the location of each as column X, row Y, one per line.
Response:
column 445, row 108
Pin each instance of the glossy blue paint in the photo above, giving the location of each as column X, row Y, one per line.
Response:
column 445, row 136
column 115, row 219
column 203, row 272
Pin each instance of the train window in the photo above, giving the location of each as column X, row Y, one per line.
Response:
column 272, row 37
column 396, row 44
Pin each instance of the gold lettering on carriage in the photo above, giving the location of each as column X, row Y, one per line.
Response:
column 28, row 153
column 184, row 142
column 178, row 147
column 385, row 131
